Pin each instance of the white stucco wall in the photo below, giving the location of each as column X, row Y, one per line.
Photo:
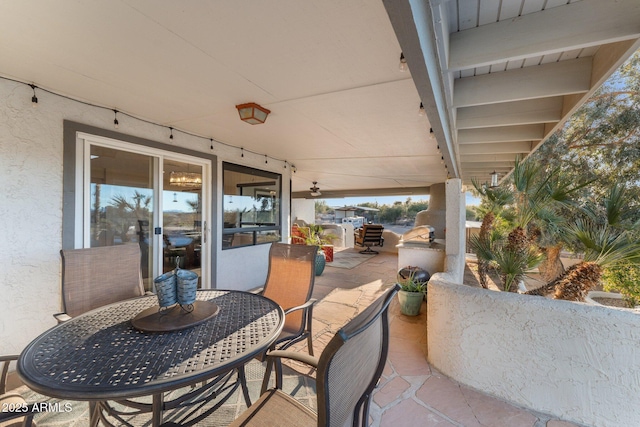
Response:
column 31, row 150
column 304, row 209
column 578, row 362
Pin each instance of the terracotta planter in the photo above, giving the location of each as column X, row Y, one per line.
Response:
column 328, row 252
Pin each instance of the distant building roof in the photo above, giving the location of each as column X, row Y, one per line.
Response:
column 355, row 208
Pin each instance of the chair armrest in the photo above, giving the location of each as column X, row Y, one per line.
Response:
column 293, row 355
column 4, row 363
column 62, row 317
column 257, row 291
column 307, row 304
column 27, row 411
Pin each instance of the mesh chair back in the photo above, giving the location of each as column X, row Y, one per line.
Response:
column 351, row 365
column 290, row 280
column 94, row 277
column 371, row 234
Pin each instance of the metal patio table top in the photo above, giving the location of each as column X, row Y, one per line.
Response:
column 100, row 356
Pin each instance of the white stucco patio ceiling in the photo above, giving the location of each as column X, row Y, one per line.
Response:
column 496, row 76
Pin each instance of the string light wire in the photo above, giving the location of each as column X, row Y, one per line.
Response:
column 34, row 101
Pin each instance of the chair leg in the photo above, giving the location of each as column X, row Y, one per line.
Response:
column 243, row 383
column 267, row 377
column 278, row 367
column 310, row 344
column 309, row 333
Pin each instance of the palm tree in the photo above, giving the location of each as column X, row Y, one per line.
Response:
column 606, row 238
column 495, row 199
column 533, row 198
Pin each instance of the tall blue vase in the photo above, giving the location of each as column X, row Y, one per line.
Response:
column 320, row 262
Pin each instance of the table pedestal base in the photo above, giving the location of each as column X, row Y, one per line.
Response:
column 120, row 413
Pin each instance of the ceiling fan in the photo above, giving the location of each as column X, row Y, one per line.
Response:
column 315, row 191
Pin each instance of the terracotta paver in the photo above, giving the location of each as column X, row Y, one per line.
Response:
column 409, row 413
column 390, row 391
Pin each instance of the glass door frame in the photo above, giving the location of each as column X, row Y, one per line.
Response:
column 158, row 154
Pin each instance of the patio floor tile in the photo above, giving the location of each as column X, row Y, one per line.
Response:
column 470, row 408
column 391, row 391
column 410, row 413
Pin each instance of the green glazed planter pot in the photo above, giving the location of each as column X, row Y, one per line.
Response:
column 410, row 302
column 320, row 262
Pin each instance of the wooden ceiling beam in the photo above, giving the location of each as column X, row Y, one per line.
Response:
column 577, row 25
column 511, row 113
column 541, row 81
column 498, row 148
column 501, row 134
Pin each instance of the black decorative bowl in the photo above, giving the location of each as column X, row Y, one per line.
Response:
column 420, row 275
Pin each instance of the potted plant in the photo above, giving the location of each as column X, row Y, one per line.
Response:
column 313, row 236
column 412, row 292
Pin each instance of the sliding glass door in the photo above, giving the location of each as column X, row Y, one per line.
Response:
column 155, row 199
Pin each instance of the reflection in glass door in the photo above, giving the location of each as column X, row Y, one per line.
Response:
column 182, row 216
column 121, row 202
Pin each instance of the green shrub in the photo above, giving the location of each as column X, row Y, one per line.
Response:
column 625, row 279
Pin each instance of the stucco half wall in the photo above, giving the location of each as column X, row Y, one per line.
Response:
column 571, row 360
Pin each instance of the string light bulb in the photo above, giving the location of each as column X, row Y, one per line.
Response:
column 211, row 147
column 241, row 152
column 285, row 164
column 265, row 159
column 34, row 98
column 403, row 63
column 421, row 111
column 171, row 135
column 115, row 119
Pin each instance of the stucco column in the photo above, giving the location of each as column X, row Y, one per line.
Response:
column 455, row 235
column 435, row 215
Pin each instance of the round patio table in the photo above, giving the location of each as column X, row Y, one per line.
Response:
column 100, row 356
